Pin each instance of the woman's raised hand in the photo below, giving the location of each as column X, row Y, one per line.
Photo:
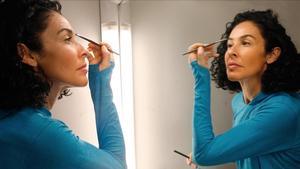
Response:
column 202, row 54
column 102, row 56
column 190, row 162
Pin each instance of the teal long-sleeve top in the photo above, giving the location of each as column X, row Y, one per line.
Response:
column 32, row 139
column 265, row 133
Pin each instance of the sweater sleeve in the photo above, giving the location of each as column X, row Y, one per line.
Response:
column 109, row 131
column 56, row 147
column 269, row 131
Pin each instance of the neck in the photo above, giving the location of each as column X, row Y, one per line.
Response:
column 250, row 89
column 53, row 94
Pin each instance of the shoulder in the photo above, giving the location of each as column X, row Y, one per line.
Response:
column 29, row 123
column 237, row 102
column 24, row 126
column 281, row 105
column 238, row 97
column 37, row 137
column 25, row 123
column 283, row 99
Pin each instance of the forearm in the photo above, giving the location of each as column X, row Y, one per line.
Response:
column 202, row 127
column 208, row 149
column 109, row 131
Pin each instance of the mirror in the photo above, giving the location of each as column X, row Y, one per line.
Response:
column 162, row 81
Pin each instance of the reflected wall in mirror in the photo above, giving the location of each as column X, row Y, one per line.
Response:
column 162, row 82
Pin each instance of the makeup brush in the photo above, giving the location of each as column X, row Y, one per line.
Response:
column 95, row 43
column 205, row 46
column 184, row 155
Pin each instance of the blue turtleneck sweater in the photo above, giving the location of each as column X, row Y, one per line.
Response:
column 265, row 133
column 32, row 139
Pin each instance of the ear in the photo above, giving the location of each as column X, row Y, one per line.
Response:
column 273, row 55
column 27, row 56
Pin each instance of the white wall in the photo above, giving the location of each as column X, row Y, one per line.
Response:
column 163, row 85
column 162, row 30
column 77, row 110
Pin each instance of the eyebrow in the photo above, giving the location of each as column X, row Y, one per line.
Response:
column 244, row 36
column 65, row 29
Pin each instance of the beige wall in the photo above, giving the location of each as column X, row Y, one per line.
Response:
column 162, row 30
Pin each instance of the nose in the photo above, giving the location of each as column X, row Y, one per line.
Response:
column 232, row 51
column 83, row 53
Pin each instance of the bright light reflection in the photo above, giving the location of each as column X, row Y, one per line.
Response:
column 122, row 85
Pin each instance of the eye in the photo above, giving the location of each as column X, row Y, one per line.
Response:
column 68, row 38
column 246, row 43
column 229, row 45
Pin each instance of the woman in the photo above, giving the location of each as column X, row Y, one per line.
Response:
column 260, row 63
column 40, row 59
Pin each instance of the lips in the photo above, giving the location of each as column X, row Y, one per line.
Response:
column 82, row 67
column 232, row 65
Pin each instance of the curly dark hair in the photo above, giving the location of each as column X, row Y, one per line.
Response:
column 280, row 76
column 22, row 21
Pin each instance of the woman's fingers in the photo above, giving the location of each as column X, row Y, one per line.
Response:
column 197, row 47
column 190, row 162
column 102, row 55
column 201, row 54
column 90, row 57
column 106, row 54
column 95, row 52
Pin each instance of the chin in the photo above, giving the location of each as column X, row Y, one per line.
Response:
column 80, row 82
column 233, row 77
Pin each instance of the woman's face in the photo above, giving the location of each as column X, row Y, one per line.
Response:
column 62, row 58
column 245, row 57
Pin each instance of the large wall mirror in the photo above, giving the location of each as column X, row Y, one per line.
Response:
column 154, row 85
